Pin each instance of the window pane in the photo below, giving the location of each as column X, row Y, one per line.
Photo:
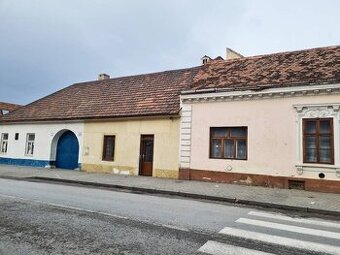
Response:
column 3, row 147
column 5, row 136
column 310, row 142
column 108, row 147
column 216, row 149
column 31, row 137
column 238, row 132
column 311, row 155
column 30, row 148
column 241, row 149
column 325, row 142
column 148, row 151
column 325, row 156
column 219, row 132
column 325, row 126
column 229, row 149
column 310, row 126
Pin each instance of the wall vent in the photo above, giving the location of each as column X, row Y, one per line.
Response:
column 292, row 184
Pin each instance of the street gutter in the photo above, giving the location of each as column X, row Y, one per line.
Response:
column 230, row 200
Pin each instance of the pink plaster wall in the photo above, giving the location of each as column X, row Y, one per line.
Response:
column 271, row 134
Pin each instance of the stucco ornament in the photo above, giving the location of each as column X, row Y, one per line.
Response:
column 228, row 168
column 306, row 111
column 338, row 173
column 317, row 111
column 299, row 170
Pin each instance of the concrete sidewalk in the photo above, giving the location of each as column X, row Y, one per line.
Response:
column 293, row 200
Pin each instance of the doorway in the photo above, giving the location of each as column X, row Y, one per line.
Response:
column 67, row 151
column 146, row 155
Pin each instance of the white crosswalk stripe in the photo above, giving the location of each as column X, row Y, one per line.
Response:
column 295, row 229
column 304, row 228
column 216, row 248
column 279, row 240
column 296, row 220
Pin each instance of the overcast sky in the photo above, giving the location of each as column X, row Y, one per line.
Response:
column 48, row 45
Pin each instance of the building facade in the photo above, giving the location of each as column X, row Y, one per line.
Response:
column 42, row 144
column 146, row 147
column 270, row 120
column 278, row 130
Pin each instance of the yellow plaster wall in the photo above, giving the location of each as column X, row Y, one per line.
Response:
column 127, row 146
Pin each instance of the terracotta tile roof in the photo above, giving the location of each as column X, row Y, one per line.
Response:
column 319, row 65
column 140, row 95
column 158, row 93
column 8, row 107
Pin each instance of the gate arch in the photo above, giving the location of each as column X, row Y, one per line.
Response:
column 67, row 150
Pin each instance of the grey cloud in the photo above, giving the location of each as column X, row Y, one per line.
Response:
column 47, row 45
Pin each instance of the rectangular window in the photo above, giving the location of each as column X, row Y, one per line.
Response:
column 4, row 143
column 108, row 148
column 228, row 142
column 318, row 143
column 30, row 144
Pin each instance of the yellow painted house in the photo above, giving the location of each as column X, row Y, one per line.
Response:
column 143, row 146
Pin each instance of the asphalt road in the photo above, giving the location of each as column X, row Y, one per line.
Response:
column 45, row 218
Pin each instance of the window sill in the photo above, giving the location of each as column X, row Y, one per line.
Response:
column 229, row 159
column 108, row 161
column 300, row 168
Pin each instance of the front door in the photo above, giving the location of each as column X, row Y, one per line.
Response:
column 67, row 151
column 146, row 155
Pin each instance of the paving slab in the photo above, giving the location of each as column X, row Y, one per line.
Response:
column 299, row 200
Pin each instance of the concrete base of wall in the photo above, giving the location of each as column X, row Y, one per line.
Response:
column 165, row 173
column 26, row 162
column 127, row 170
column 282, row 182
column 109, row 169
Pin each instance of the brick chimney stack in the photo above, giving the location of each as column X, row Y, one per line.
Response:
column 103, row 76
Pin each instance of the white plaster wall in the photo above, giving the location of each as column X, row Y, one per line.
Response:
column 272, row 135
column 44, row 134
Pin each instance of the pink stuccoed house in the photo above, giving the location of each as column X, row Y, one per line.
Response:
column 270, row 120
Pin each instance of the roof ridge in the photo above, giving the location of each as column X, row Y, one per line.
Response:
column 276, row 53
column 137, row 75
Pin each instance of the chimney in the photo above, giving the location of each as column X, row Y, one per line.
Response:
column 103, row 76
column 231, row 54
column 205, row 59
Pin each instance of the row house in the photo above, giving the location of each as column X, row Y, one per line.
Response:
column 270, row 120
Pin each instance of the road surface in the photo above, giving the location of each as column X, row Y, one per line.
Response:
column 47, row 218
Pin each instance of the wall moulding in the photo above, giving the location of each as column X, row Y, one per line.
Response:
column 307, row 111
column 220, row 95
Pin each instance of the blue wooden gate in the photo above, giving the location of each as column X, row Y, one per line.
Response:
column 67, row 151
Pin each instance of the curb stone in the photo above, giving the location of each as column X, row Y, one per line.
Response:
column 182, row 194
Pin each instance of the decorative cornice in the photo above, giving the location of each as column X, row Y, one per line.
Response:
column 218, row 96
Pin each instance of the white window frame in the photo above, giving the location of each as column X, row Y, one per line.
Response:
column 310, row 111
column 29, row 148
column 4, row 143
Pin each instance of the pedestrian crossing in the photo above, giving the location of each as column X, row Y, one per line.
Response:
column 294, row 235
